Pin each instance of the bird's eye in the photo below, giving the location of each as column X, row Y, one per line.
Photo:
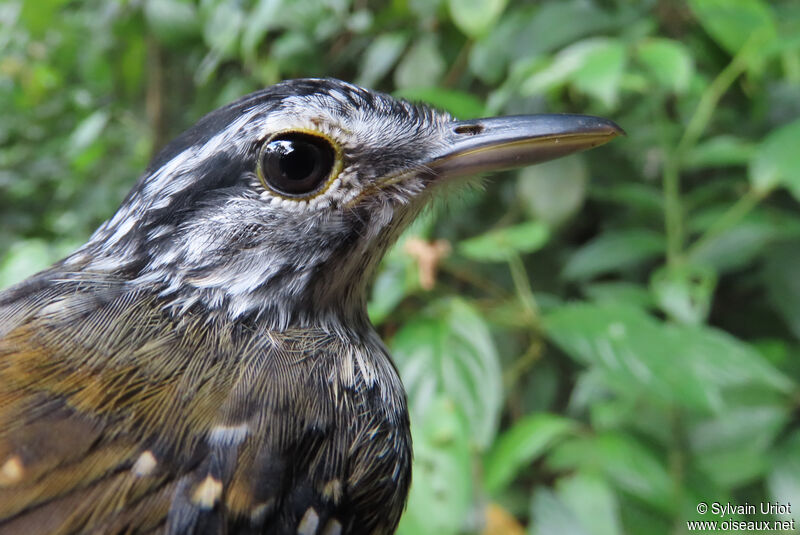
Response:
column 296, row 164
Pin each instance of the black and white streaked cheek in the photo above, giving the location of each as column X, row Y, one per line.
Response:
column 180, row 174
column 111, row 246
column 236, row 251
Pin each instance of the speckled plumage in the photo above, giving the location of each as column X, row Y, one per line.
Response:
column 204, row 363
column 208, row 303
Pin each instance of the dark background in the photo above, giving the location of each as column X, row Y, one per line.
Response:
column 613, row 337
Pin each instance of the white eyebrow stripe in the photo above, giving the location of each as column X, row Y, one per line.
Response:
column 175, row 177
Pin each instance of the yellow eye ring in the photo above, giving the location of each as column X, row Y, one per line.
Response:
column 299, row 164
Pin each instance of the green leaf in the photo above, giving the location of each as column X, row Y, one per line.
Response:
column 780, row 278
column 732, row 454
column 40, row 16
column 391, row 285
column 23, row 260
column 260, row 20
column 631, row 195
column 601, row 72
column 626, row 347
column 608, row 413
column 223, row 23
column 87, row 132
column 684, row 292
column 398, row 275
column 627, row 463
column 551, row 515
column 561, row 67
column 777, row 161
column 613, row 251
column 668, row 62
column 595, row 66
column 475, row 17
column 458, row 103
column 720, row 151
column 593, row 501
column 173, row 21
column 732, row 22
column 784, row 479
column 27, row 257
column 132, row 61
column 743, row 243
column 573, row 18
column 425, row 9
column 291, row 48
column 448, row 350
column 502, row 244
column 619, row 292
column 553, row 191
column 529, row 34
column 441, row 490
column 527, row 440
column 422, row 66
column 380, row 57
column 670, row 365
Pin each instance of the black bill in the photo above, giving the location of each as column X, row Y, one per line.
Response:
column 497, row 143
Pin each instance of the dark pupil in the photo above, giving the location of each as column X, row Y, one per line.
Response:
column 298, row 159
column 296, row 164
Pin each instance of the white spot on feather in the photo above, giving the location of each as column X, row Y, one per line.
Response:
column 11, row 471
column 145, row 464
column 309, row 523
column 207, row 493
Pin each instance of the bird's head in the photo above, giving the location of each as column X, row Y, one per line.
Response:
column 282, row 204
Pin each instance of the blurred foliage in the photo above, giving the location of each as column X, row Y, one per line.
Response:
column 614, row 337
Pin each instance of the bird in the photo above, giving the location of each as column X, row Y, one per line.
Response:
column 204, row 363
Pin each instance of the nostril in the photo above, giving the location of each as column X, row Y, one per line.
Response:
column 469, row 129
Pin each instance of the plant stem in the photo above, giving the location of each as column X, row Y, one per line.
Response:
column 523, row 288
column 673, row 216
column 729, row 218
column 522, row 364
column 457, row 68
column 495, row 291
column 154, row 103
column 673, row 211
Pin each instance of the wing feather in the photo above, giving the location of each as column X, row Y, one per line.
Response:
column 117, row 417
